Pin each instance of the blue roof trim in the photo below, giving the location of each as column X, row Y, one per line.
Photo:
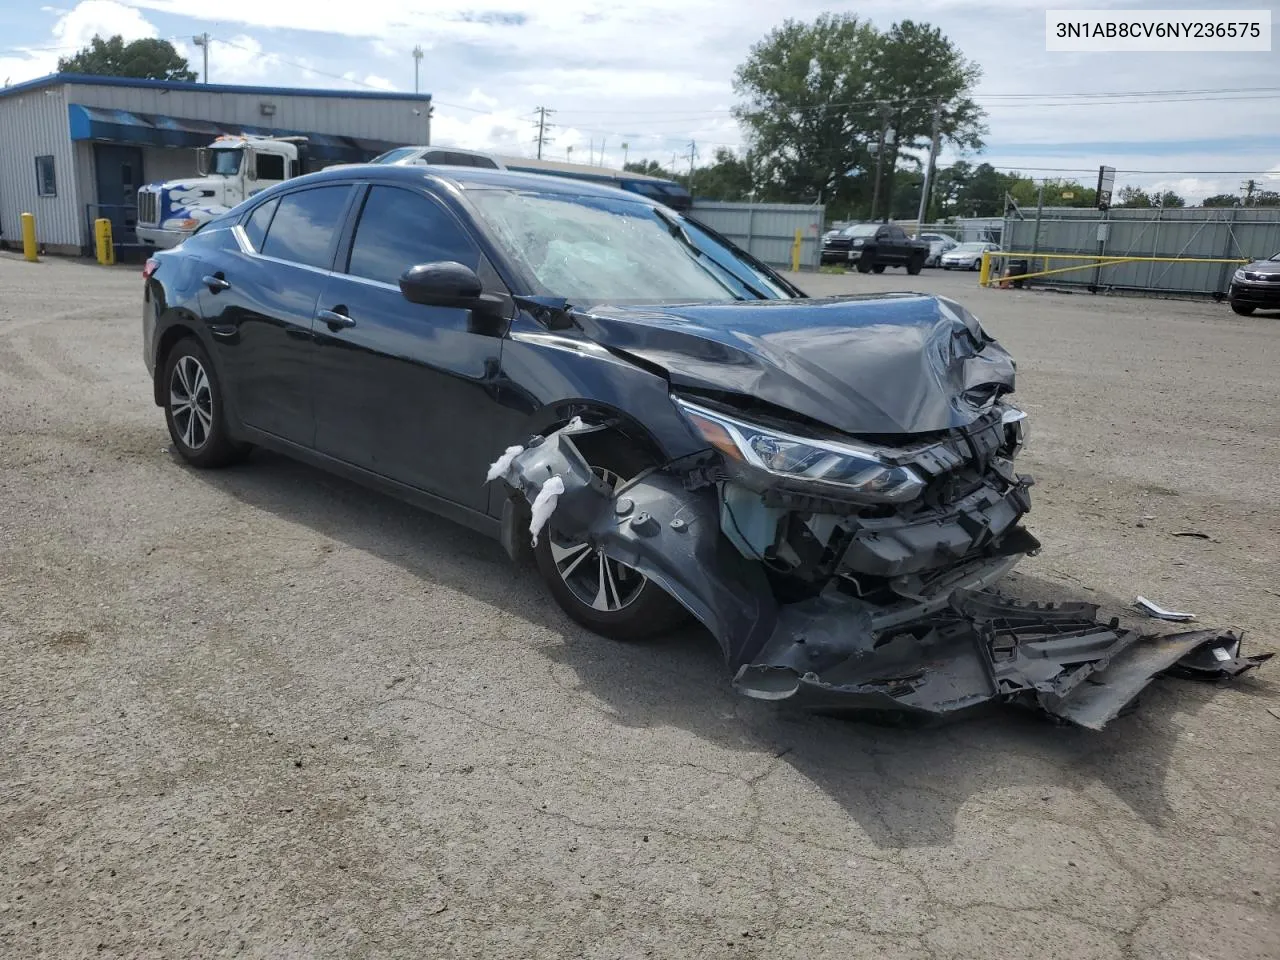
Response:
column 124, row 126
column 54, row 79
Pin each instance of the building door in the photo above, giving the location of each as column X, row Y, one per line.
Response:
column 119, row 173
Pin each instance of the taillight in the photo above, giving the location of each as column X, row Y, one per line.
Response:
column 149, row 267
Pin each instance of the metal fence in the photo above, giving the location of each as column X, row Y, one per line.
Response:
column 767, row 230
column 1195, row 232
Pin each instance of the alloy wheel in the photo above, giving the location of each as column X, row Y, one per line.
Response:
column 594, row 579
column 191, row 402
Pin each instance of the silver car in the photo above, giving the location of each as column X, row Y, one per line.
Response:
column 967, row 256
column 938, row 245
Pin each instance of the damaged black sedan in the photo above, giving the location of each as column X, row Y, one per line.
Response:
column 673, row 429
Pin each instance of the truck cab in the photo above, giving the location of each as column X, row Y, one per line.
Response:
column 231, row 169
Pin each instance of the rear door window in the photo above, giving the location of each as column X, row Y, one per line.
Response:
column 255, row 228
column 399, row 229
column 305, row 224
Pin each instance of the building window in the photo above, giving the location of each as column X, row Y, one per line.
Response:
column 46, row 182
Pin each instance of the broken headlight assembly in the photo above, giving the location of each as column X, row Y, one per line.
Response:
column 855, row 471
column 1015, row 430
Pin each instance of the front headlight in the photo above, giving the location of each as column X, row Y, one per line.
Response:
column 1238, row 276
column 856, row 242
column 855, row 471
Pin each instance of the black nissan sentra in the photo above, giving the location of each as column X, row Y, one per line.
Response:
column 669, row 425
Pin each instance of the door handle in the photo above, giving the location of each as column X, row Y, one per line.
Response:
column 335, row 319
column 215, row 282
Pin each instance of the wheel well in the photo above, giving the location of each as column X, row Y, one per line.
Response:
column 170, row 336
column 620, row 423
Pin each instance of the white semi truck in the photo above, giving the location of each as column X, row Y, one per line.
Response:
column 231, row 169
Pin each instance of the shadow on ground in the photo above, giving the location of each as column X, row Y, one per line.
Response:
column 904, row 786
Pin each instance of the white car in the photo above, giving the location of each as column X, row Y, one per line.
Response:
column 967, row 256
column 938, row 245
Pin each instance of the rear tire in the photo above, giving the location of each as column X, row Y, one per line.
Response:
column 914, row 266
column 1243, row 309
column 195, row 408
column 603, row 595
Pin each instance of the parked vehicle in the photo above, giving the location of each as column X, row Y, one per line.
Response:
column 230, row 170
column 1256, row 287
column 967, row 256
column 874, row 246
column 438, row 156
column 783, row 466
column 938, row 245
column 835, row 245
column 669, row 193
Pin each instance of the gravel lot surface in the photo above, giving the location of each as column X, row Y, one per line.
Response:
column 264, row 713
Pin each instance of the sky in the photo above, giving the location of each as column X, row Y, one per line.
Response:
column 657, row 74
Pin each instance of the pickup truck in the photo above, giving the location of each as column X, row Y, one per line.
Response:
column 874, row 246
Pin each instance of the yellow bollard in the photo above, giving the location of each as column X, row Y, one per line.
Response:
column 29, row 237
column 106, row 249
column 984, row 275
column 795, row 253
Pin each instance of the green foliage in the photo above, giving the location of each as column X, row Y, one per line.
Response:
column 143, row 59
column 1221, row 200
column 1136, row 197
column 815, row 97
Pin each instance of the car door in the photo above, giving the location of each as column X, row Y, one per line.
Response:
column 260, row 301
column 405, row 390
column 892, row 241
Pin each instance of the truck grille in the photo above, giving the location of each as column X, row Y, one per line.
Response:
column 147, row 203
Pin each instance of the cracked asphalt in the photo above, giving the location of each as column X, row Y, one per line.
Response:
column 264, row 713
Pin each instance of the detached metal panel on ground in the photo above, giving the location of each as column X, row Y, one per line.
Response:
column 767, row 230
column 35, row 125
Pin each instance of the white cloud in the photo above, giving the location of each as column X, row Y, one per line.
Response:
column 657, row 73
column 73, row 30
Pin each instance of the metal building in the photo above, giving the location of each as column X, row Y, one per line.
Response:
column 76, row 147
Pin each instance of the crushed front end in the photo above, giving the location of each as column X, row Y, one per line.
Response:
column 851, row 572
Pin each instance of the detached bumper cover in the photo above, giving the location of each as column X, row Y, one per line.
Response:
column 946, row 648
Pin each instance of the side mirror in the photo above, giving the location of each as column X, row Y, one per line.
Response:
column 448, row 283
column 250, row 164
column 443, row 284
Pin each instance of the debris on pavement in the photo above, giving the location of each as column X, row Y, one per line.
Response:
column 1153, row 609
column 1196, row 534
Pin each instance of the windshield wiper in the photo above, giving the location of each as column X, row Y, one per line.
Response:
column 678, row 231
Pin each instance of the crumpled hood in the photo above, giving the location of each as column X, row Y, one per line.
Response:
column 883, row 364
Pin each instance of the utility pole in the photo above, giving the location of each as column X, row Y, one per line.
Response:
column 417, row 59
column 543, row 127
column 203, row 41
column 928, row 170
column 693, row 153
column 1248, row 187
column 568, row 153
column 591, row 151
column 624, row 155
column 601, row 162
column 885, row 113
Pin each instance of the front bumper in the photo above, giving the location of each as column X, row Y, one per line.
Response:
column 1263, row 295
column 930, row 643
column 160, row 238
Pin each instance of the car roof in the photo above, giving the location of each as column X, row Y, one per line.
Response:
column 471, row 178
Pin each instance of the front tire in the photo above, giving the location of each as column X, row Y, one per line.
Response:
column 1243, row 309
column 914, row 266
column 195, row 408
column 603, row 595
column 878, row 268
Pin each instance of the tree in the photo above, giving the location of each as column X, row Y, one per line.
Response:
column 1221, row 200
column 146, row 59
column 816, row 96
column 1133, row 197
column 1169, row 199
column 728, row 177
